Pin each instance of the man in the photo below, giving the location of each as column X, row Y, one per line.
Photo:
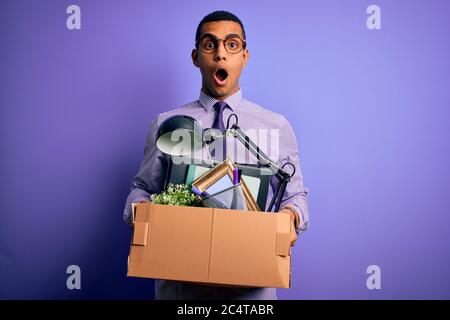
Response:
column 221, row 53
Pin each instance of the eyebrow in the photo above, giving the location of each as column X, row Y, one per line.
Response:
column 210, row 35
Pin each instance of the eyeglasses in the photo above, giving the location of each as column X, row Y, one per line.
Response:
column 232, row 45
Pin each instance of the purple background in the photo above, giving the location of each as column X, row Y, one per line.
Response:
column 370, row 110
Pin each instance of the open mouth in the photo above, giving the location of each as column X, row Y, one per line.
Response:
column 221, row 74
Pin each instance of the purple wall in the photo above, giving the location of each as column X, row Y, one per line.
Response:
column 370, row 109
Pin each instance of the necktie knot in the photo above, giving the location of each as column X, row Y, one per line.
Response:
column 220, row 106
column 218, row 119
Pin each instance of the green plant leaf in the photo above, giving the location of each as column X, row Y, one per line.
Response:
column 177, row 195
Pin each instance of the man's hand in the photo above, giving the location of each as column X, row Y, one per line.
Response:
column 293, row 234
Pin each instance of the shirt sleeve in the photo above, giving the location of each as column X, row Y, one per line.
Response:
column 296, row 193
column 151, row 175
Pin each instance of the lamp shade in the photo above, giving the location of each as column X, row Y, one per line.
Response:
column 179, row 135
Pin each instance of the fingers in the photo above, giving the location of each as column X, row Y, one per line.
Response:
column 293, row 238
column 293, row 235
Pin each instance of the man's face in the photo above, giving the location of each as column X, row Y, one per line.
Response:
column 221, row 69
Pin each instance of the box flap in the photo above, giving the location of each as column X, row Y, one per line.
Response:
column 283, row 245
column 178, row 243
column 140, row 233
column 283, row 242
column 133, row 211
column 244, row 246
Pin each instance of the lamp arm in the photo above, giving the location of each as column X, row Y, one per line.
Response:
column 257, row 152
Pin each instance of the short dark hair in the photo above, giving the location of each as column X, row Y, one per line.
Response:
column 218, row 16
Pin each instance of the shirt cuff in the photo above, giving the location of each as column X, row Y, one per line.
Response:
column 299, row 223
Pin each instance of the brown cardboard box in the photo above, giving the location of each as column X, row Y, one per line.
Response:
column 214, row 246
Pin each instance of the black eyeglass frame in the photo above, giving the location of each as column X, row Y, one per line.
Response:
column 217, row 41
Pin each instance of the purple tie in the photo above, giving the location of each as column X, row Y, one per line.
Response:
column 218, row 120
column 219, row 125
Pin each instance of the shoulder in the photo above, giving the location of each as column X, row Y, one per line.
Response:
column 185, row 109
column 257, row 110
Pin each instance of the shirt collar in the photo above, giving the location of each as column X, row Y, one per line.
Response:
column 233, row 101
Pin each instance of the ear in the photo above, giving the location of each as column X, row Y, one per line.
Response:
column 194, row 56
column 246, row 55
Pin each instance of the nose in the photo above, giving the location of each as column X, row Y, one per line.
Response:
column 220, row 53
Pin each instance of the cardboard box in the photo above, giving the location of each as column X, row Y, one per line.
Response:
column 212, row 246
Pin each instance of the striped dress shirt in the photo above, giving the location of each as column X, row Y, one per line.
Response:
column 270, row 131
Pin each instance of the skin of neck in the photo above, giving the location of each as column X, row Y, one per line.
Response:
column 220, row 98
